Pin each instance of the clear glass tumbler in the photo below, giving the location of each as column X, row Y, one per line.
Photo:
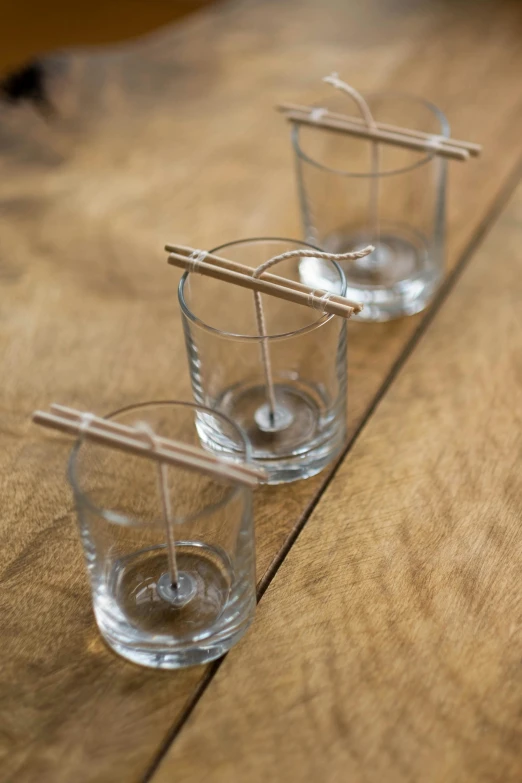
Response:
column 400, row 209
column 307, row 354
column 124, row 536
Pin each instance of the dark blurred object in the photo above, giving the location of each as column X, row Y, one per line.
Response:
column 27, row 84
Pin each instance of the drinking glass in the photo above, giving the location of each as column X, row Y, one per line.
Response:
column 124, row 536
column 306, row 350
column 400, row 208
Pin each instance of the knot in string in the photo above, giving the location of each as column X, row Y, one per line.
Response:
column 317, row 113
column 195, row 259
column 85, row 422
column 149, row 433
column 318, row 299
column 436, row 142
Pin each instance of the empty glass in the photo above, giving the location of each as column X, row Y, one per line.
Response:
column 124, row 536
column 307, row 354
column 400, row 209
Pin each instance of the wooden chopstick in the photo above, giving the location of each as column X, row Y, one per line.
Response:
column 184, row 448
column 308, row 296
column 234, row 266
column 473, row 149
column 386, row 137
column 168, row 453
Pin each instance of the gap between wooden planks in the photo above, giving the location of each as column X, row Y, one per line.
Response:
column 388, row 646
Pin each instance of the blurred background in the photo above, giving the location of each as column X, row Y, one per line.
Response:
column 32, row 27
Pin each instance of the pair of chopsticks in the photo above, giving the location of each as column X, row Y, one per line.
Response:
column 136, row 441
column 242, row 275
column 388, row 134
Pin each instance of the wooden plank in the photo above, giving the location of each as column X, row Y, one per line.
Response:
column 176, row 139
column 388, row 646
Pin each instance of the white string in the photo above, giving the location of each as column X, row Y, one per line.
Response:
column 317, row 113
column 338, row 83
column 163, row 477
column 195, row 259
column 352, row 255
column 86, row 421
column 318, row 299
column 313, row 301
column 436, row 142
column 367, row 116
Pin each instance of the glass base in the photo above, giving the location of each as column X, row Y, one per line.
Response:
column 148, row 621
column 295, row 441
column 399, row 278
column 175, row 659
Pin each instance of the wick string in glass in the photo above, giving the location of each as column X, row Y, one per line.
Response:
column 367, row 116
column 313, row 302
column 165, row 504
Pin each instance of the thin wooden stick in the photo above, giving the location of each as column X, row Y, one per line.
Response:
column 473, row 149
column 108, row 425
column 234, row 266
column 342, row 126
column 135, row 445
column 319, row 300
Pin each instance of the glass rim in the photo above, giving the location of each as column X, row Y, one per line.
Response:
column 323, row 319
column 125, row 519
column 438, row 113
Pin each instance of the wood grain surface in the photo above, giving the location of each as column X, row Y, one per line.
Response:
column 175, row 139
column 388, row 646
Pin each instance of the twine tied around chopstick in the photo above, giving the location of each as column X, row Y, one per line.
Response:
column 196, row 258
column 436, row 142
column 108, row 432
column 318, row 299
column 317, row 113
column 244, row 276
column 86, row 421
column 408, row 138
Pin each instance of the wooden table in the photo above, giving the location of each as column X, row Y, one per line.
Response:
column 388, row 640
